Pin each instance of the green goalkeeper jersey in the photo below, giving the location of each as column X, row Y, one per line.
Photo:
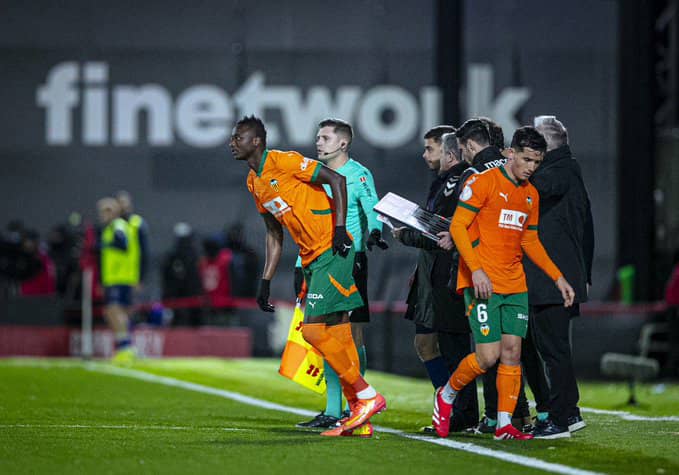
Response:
column 361, row 197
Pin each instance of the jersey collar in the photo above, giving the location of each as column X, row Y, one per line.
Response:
column 261, row 162
column 504, row 172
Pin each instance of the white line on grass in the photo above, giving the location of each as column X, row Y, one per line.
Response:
column 630, row 417
column 79, row 364
column 467, row 447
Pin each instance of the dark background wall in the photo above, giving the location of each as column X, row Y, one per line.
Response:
column 560, row 57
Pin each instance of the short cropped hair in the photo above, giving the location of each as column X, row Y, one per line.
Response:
column 497, row 136
column 435, row 133
column 450, row 145
column 476, row 130
column 528, row 136
column 341, row 127
column 256, row 124
column 552, row 129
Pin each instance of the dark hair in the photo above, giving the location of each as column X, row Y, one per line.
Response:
column 527, row 136
column 476, row 130
column 341, row 127
column 437, row 132
column 497, row 136
column 254, row 123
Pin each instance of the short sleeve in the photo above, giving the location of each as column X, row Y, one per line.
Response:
column 474, row 193
column 303, row 168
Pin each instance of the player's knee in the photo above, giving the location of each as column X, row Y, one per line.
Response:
column 511, row 354
column 426, row 346
column 487, row 357
column 314, row 333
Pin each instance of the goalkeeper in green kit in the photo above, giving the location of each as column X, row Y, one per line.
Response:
column 332, row 146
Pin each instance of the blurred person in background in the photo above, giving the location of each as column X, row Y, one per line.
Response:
column 63, row 248
column 441, row 331
column 333, row 141
column 215, row 273
column 44, row 280
column 567, row 232
column 138, row 237
column 118, row 276
column 287, row 190
column 244, row 262
column 180, row 275
column 16, row 262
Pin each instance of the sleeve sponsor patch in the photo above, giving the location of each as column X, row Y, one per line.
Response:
column 466, row 193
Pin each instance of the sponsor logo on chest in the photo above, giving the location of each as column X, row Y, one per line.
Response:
column 277, row 206
column 512, row 219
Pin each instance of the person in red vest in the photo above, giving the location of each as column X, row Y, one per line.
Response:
column 44, row 282
column 215, row 273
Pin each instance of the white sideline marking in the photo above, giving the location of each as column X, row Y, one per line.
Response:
column 124, row 427
column 630, row 417
column 467, row 447
column 79, row 364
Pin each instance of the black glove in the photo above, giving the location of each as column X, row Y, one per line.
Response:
column 299, row 280
column 263, row 296
column 375, row 239
column 341, row 242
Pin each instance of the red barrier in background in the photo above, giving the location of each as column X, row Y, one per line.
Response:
column 16, row 340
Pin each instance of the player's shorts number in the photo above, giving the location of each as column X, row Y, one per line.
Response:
column 482, row 312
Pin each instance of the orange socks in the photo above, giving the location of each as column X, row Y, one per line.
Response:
column 337, row 353
column 466, row 372
column 343, row 334
column 508, row 386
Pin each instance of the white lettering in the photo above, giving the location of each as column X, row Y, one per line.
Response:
column 480, row 80
column 58, row 96
column 387, row 116
column 155, row 101
column 95, row 104
column 403, row 125
column 203, row 115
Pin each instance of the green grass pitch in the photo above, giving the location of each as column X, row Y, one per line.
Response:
column 65, row 416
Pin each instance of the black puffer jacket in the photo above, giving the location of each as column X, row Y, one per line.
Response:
column 566, row 228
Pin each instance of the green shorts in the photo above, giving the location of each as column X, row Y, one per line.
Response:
column 331, row 286
column 500, row 314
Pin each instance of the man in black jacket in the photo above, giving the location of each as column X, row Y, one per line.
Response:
column 566, row 231
column 442, row 335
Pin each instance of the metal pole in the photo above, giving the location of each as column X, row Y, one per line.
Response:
column 86, row 312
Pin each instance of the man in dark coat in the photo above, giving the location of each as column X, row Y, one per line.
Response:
column 442, row 334
column 566, row 231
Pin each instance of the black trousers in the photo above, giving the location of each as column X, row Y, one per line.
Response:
column 454, row 347
column 550, row 326
column 533, row 372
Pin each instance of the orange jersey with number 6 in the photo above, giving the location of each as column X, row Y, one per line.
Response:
column 496, row 220
column 284, row 186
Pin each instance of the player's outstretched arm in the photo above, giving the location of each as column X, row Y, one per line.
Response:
column 274, row 247
column 341, row 242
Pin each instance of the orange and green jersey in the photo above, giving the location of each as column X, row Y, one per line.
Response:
column 284, row 186
column 495, row 222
